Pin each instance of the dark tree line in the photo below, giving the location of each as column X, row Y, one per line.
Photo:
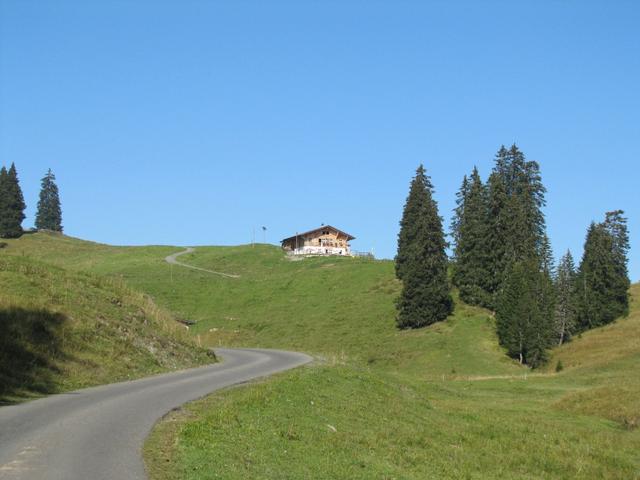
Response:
column 502, row 260
column 12, row 205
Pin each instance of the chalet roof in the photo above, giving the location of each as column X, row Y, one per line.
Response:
column 323, row 227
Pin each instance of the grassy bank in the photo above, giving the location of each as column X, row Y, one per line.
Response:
column 61, row 330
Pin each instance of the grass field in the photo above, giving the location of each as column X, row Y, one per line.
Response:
column 441, row 402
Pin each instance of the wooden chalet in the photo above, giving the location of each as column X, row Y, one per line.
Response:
column 324, row 240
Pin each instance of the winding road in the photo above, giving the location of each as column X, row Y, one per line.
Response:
column 97, row 433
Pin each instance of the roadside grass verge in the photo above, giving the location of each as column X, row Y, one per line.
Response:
column 343, row 422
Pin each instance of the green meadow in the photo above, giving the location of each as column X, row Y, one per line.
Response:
column 439, row 402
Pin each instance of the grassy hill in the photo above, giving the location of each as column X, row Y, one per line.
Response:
column 61, row 330
column 440, row 402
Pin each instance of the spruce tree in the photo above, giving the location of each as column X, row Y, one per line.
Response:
column 497, row 236
column 471, row 254
column 603, row 281
column 596, row 276
column 524, row 313
column 415, row 206
column 458, row 213
column 565, row 286
column 12, row 204
column 519, row 257
column 616, row 226
column 421, row 262
column 49, row 215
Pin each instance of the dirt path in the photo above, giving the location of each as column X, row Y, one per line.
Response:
column 172, row 259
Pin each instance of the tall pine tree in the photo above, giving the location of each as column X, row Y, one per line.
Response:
column 519, row 258
column 49, row 215
column 497, row 235
column 12, row 204
column 470, row 273
column 421, row 262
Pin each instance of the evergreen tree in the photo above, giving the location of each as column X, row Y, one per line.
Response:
column 49, row 215
column 421, row 262
column 516, row 226
column 565, row 286
column 616, row 225
column 602, row 281
column 458, row 212
column 470, row 273
column 595, row 277
column 524, row 313
column 12, row 204
column 415, row 206
column 496, row 235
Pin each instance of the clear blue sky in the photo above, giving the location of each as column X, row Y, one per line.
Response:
column 193, row 122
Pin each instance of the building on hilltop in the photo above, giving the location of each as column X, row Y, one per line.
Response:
column 324, row 240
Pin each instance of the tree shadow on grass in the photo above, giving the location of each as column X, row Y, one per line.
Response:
column 30, row 346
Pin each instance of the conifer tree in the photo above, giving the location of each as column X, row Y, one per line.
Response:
column 516, row 226
column 49, row 215
column 470, row 273
column 595, row 277
column 602, row 281
column 421, row 262
column 497, row 236
column 565, row 286
column 616, row 225
column 524, row 313
column 12, row 204
column 415, row 206
column 520, row 260
column 458, row 212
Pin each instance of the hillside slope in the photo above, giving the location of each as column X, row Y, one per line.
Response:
column 62, row 330
column 440, row 402
column 607, row 361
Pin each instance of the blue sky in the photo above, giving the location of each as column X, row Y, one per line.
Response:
column 194, row 122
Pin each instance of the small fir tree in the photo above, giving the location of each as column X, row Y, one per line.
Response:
column 565, row 286
column 524, row 313
column 49, row 215
column 421, row 262
column 12, row 204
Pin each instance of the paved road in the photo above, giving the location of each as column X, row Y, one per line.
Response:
column 97, row 433
column 173, row 259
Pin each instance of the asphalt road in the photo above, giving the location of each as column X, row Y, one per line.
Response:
column 97, row 433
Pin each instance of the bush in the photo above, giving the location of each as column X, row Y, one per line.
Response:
column 559, row 366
